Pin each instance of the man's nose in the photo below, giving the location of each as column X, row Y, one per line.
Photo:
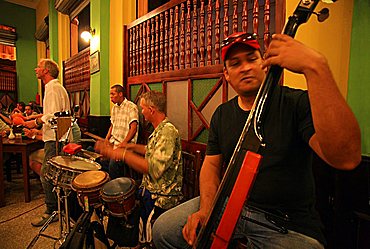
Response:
column 246, row 66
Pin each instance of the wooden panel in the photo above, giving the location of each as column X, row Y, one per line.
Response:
column 192, row 163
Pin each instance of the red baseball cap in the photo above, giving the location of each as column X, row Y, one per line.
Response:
column 239, row 37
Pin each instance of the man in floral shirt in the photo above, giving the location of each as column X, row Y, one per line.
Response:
column 160, row 161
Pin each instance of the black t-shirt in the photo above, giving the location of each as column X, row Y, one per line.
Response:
column 285, row 181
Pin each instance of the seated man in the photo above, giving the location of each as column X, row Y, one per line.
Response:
column 28, row 111
column 160, row 160
column 123, row 129
column 297, row 123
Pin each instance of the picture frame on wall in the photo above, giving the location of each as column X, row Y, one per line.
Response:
column 95, row 62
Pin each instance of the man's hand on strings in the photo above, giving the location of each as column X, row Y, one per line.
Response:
column 291, row 54
column 190, row 229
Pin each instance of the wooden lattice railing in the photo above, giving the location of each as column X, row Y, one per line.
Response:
column 8, row 83
column 76, row 79
column 186, row 34
column 77, row 71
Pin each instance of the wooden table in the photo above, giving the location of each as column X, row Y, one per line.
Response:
column 24, row 147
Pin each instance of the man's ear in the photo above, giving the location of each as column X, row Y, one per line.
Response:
column 226, row 74
column 151, row 109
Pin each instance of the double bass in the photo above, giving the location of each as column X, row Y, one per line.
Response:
column 243, row 166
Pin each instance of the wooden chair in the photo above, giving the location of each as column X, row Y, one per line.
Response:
column 191, row 169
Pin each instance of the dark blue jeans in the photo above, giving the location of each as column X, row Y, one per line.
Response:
column 50, row 196
column 118, row 169
column 167, row 230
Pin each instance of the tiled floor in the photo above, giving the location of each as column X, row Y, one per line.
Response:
column 16, row 231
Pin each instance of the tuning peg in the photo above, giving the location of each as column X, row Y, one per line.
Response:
column 322, row 15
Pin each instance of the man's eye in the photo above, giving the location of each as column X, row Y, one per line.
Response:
column 252, row 59
column 234, row 63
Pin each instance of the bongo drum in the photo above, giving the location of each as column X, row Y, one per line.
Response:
column 62, row 169
column 88, row 185
column 118, row 196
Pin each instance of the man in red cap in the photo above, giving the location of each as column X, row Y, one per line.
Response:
column 297, row 124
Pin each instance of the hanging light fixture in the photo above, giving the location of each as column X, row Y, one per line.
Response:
column 87, row 34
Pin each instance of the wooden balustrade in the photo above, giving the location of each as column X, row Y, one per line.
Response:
column 8, row 81
column 76, row 80
column 185, row 34
column 77, row 72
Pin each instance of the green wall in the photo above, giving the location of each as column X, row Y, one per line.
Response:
column 99, row 84
column 24, row 20
column 359, row 73
column 53, row 33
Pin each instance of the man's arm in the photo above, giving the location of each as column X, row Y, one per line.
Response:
column 337, row 138
column 209, row 182
column 33, row 133
column 107, row 137
column 15, row 110
column 133, row 160
column 33, row 116
column 34, row 122
column 130, row 134
column 138, row 148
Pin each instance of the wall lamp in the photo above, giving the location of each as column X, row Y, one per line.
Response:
column 87, row 34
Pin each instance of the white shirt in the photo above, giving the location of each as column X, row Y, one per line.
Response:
column 121, row 118
column 55, row 100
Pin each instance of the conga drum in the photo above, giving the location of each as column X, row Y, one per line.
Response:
column 88, row 185
column 118, row 196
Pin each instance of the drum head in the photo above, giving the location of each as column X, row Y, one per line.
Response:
column 89, row 179
column 74, row 163
column 118, row 186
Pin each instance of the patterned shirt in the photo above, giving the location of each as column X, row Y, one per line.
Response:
column 121, row 118
column 163, row 153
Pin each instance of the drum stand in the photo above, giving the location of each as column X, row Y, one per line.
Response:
column 62, row 232
column 64, row 229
